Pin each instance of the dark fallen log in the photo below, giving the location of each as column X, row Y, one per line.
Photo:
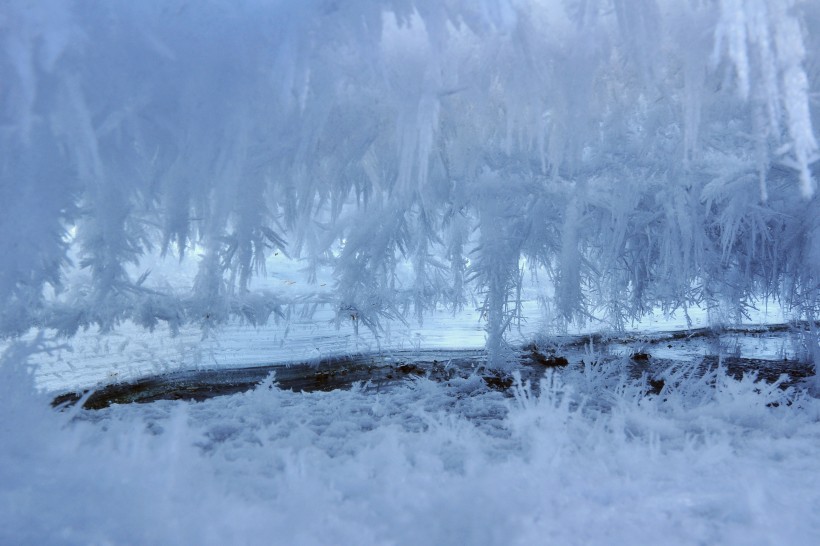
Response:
column 603, row 339
column 327, row 375
column 767, row 370
column 378, row 372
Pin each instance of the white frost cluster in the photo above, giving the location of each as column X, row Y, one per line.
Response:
column 765, row 43
column 638, row 153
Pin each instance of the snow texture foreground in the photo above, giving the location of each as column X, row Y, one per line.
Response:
column 592, row 459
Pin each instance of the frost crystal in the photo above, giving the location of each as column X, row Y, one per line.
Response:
column 635, row 153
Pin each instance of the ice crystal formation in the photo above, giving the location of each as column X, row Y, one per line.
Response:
column 638, row 154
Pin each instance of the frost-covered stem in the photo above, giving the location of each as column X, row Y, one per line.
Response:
column 568, row 291
column 496, row 299
column 502, row 236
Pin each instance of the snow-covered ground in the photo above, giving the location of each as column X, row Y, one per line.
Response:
column 591, row 460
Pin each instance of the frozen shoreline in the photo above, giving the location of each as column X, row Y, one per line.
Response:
column 770, row 351
column 130, row 352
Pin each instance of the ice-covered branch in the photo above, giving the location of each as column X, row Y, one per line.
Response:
column 651, row 153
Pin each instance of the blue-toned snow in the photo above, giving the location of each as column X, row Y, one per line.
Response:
column 592, row 460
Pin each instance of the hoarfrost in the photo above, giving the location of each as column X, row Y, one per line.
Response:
column 642, row 154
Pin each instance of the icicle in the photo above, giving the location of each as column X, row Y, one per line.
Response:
column 731, row 35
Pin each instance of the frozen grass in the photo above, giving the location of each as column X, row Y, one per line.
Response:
column 590, row 459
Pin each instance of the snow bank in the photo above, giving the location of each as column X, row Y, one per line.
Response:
column 591, row 460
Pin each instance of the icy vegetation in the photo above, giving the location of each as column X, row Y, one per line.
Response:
column 637, row 154
column 265, row 170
